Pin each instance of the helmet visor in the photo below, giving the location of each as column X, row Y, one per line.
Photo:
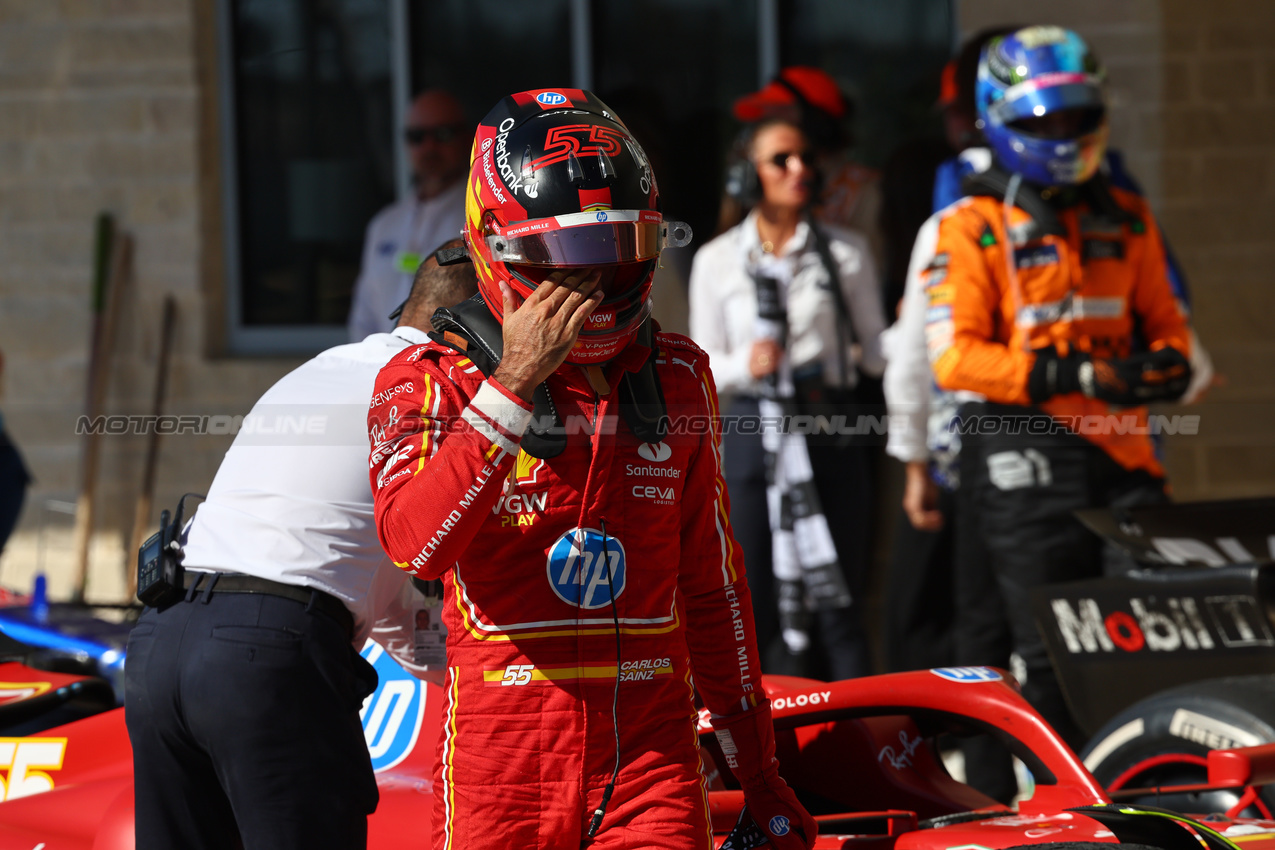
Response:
column 1062, row 124
column 1048, row 93
column 581, row 240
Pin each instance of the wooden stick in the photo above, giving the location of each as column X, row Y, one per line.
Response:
column 99, row 374
column 104, row 237
column 142, row 515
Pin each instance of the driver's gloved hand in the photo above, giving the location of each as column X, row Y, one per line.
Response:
column 748, row 741
column 1149, row 376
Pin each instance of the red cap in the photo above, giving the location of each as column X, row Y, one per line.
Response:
column 818, row 88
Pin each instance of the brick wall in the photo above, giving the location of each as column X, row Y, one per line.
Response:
column 100, row 109
column 1219, row 208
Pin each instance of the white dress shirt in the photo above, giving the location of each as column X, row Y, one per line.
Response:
column 291, row 501
column 398, row 239
column 723, row 301
column 908, row 380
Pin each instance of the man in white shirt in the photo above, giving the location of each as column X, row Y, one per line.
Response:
column 242, row 698
column 403, row 234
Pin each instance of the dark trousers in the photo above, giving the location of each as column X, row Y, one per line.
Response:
column 1024, row 488
column 243, row 712
column 943, row 607
column 843, row 480
column 980, row 638
column 920, row 609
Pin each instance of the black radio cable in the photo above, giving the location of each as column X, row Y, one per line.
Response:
column 598, row 813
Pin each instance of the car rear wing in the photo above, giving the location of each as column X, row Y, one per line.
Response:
column 1191, row 534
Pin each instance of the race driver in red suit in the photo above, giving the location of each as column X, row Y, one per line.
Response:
column 592, row 583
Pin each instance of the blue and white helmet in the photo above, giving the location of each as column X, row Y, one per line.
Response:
column 1032, row 73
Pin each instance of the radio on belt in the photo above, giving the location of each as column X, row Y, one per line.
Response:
column 159, row 561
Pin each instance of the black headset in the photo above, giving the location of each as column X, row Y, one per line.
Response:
column 742, row 182
column 743, row 185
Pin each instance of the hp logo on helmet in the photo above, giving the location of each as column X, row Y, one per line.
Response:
column 550, row 98
column 578, row 570
column 602, row 216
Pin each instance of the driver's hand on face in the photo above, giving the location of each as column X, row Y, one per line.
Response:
column 540, row 333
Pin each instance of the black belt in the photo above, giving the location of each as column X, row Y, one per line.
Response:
column 197, row 582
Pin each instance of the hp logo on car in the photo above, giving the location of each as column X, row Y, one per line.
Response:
column 551, row 98
column 967, row 674
column 578, row 571
column 392, row 714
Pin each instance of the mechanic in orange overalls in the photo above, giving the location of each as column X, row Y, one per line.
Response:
column 1042, row 279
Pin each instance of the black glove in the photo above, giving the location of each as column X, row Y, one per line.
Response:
column 746, row 835
column 1142, row 378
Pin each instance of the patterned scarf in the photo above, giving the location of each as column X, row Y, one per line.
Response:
column 807, row 572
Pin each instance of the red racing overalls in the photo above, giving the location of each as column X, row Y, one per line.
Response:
column 521, row 545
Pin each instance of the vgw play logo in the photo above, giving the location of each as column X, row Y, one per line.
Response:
column 392, row 714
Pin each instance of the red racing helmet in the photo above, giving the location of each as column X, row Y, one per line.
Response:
column 557, row 181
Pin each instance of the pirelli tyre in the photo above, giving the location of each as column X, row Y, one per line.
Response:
column 1164, row 740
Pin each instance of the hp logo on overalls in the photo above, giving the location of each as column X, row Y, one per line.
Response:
column 578, row 572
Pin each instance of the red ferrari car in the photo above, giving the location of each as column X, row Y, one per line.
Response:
column 861, row 754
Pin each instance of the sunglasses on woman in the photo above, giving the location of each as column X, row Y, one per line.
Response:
column 780, row 160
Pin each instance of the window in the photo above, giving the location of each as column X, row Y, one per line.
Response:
column 313, row 94
column 309, row 142
column 887, row 56
column 482, row 51
column 671, row 69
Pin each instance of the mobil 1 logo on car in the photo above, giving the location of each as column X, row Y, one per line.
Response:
column 1114, row 641
column 1158, row 622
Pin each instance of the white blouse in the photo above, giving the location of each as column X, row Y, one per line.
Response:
column 723, row 303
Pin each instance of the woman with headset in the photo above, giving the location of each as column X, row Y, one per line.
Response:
column 790, row 314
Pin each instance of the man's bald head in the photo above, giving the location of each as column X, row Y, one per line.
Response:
column 438, row 286
column 438, row 141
